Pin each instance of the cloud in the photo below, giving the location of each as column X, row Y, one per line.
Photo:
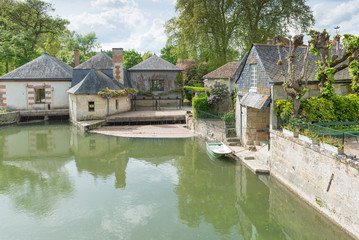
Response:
column 330, row 14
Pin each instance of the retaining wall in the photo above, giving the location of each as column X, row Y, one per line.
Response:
column 307, row 170
column 207, row 129
column 9, row 118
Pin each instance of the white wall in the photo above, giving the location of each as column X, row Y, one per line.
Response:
column 21, row 95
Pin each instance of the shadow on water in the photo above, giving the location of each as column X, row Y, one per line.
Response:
column 41, row 167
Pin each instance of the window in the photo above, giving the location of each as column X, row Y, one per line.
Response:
column 39, row 95
column 253, row 76
column 1, row 101
column 116, row 104
column 91, row 106
column 157, row 85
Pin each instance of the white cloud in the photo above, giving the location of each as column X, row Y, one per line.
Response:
column 329, row 14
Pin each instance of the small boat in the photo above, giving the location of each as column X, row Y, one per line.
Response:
column 218, row 149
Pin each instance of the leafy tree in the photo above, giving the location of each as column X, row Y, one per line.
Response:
column 26, row 27
column 332, row 61
column 146, row 55
column 169, row 53
column 217, row 29
column 131, row 58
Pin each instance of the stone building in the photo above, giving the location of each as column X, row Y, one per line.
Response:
column 228, row 73
column 93, row 76
column 260, row 83
column 158, row 78
column 37, row 85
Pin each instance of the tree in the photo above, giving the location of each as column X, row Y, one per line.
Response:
column 293, row 82
column 169, row 53
column 194, row 73
column 218, row 29
column 24, row 27
column 332, row 61
column 131, row 58
column 146, row 55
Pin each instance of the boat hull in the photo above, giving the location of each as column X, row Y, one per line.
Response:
column 218, row 149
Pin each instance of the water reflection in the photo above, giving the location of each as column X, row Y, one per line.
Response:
column 147, row 187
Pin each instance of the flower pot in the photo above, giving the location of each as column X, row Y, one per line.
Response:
column 332, row 148
column 305, row 139
column 290, row 133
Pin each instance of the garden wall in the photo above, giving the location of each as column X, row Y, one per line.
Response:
column 9, row 118
column 307, row 170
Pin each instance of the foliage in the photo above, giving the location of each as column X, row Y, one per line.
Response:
column 199, row 103
column 169, row 53
column 189, row 92
column 109, row 93
column 336, row 109
column 218, row 91
column 131, row 58
column 27, row 29
column 283, row 108
column 214, row 29
column 229, row 117
column 332, row 61
column 148, row 93
column 194, row 73
column 146, row 55
column 86, row 44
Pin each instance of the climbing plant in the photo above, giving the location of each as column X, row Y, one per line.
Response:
column 110, row 93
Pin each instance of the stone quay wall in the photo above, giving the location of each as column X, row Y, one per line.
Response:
column 328, row 182
column 9, row 118
column 207, row 129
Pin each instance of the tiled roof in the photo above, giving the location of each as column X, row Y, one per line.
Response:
column 255, row 100
column 94, row 82
column 155, row 63
column 44, row 67
column 269, row 57
column 100, row 61
column 226, row 71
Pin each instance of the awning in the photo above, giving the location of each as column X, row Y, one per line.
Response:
column 254, row 100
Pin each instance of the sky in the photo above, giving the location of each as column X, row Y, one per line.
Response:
column 139, row 24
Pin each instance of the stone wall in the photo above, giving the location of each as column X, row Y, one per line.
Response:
column 9, row 118
column 307, row 170
column 207, row 129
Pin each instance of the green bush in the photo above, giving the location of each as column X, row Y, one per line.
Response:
column 199, row 103
column 336, row 109
column 283, row 108
column 189, row 92
column 229, row 117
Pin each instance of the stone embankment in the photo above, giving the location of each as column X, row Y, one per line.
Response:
column 9, row 118
column 327, row 181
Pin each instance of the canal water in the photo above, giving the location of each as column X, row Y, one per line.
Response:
column 57, row 183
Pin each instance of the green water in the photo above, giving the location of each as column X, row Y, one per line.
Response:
column 56, row 183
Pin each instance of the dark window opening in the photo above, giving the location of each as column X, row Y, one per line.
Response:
column 39, row 95
column 116, row 104
column 91, row 106
column 1, row 101
column 157, row 85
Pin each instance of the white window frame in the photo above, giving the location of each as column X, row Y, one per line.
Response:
column 253, row 77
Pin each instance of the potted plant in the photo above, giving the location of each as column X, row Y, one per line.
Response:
column 290, row 130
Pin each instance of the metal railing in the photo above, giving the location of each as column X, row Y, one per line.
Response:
column 320, row 131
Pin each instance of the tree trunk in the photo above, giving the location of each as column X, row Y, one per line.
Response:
column 296, row 105
column 7, row 67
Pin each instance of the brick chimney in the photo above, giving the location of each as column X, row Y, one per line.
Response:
column 269, row 41
column 117, row 58
column 77, row 57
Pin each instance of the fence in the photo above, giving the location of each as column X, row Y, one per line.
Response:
column 156, row 103
column 320, row 130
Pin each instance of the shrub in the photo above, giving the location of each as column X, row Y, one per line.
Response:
column 189, row 92
column 199, row 103
column 229, row 117
column 218, row 92
column 317, row 110
column 283, row 108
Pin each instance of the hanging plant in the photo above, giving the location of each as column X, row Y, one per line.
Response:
column 110, row 93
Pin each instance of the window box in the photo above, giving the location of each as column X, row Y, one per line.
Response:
column 332, row 148
column 290, row 133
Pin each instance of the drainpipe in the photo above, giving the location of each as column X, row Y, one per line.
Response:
column 108, row 106
column 240, row 121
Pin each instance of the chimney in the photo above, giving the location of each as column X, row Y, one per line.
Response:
column 117, row 58
column 77, row 57
column 269, row 41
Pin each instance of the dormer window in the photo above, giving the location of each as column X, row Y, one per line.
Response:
column 253, row 77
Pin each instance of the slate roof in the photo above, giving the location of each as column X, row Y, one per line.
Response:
column 155, row 63
column 94, row 82
column 44, row 67
column 225, row 71
column 99, row 61
column 269, row 57
column 255, row 100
